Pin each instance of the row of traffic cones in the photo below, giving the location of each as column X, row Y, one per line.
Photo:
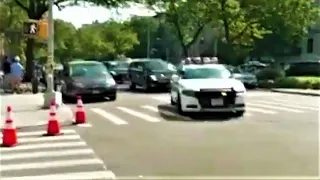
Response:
column 9, row 131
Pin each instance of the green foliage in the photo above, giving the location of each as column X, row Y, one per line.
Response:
column 270, row 74
column 298, row 82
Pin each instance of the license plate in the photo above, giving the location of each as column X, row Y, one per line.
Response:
column 95, row 92
column 217, row 102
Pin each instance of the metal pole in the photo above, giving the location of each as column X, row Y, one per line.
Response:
column 50, row 60
column 148, row 41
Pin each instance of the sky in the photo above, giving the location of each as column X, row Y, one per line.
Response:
column 86, row 14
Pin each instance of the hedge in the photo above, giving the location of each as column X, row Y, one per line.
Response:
column 297, row 82
column 270, row 74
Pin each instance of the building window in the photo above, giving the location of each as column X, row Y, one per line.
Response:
column 310, row 46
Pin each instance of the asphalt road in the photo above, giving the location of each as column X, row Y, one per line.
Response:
column 141, row 135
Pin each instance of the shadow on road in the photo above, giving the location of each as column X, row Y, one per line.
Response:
column 170, row 113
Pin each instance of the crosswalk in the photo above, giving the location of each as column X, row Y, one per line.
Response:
column 39, row 157
column 122, row 115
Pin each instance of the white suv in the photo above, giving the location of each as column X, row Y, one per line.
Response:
column 207, row 88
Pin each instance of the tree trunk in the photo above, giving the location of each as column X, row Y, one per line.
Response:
column 30, row 59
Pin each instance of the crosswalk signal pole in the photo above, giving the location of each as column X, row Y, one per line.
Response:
column 51, row 94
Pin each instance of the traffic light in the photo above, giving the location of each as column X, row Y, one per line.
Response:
column 42, row 29
column 36, row 28
column 30, row 28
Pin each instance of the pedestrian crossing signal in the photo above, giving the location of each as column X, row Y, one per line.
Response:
column 30, row 28
column 36, row 28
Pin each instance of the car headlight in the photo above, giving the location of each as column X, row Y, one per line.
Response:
column 78, row 84
column 188, row 92
column 153, row 77
column 110, row 82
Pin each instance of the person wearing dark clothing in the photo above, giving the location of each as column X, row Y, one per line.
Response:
column 6, row 65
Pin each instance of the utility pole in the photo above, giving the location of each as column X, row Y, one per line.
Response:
column 51, row 94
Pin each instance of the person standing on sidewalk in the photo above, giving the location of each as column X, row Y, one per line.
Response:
column 5, row 66
column 16, row 74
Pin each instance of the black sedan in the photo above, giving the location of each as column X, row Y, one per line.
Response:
column 87, row 79
column 118, row 69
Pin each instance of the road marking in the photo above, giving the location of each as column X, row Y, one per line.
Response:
column 68, row 176
column 288, row 104
column 51, row 164
column 49, row 138
column 49, row 145
column 275, row 107
column 40, row 133
column 84, row 125
column 260, row 110
column 109, row 116
column 162, row 98
column 296, row 103
column 139, row 115
column 41, row 154
column 165, row 112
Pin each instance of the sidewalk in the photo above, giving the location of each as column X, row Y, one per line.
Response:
column 27, row 110
column 309, row 92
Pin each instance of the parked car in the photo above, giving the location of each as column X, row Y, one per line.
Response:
column 248, row 79
column 150, row 73
column 87, row 79
column 118, row 69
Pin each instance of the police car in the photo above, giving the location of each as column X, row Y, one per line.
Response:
column 206, row 87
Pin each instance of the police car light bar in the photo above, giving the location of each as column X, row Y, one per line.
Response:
column 199, row 60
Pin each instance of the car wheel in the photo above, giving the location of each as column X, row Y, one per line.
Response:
column 171, row 101
column 238, row 113
column 178, row 105
column 132, row 85
column 113, row 97
column 146, row 87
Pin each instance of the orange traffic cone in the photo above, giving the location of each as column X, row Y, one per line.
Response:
column 53, row 127
column 80, row 114
column 9, row 132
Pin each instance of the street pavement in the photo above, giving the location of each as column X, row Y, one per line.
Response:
column 140, row 135
column 39, row 157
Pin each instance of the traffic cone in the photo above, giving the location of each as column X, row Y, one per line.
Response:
column 80, row 114
column 9, row 131
column 53, row 127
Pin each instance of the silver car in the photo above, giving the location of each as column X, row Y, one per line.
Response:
column 248, row 79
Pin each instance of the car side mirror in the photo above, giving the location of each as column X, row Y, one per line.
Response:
column 175, row 78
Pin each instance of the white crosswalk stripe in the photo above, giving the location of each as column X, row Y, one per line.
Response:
column 61, row 157
column 153, row 113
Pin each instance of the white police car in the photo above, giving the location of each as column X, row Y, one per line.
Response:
column 207, row 88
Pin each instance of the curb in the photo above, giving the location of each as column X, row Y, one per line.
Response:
column 293, row 92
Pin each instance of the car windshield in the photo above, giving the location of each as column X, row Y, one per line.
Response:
column 122, row 65
column 157, row 65
column 90, row 70
column 206, row 73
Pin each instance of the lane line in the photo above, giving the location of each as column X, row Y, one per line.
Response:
column 27, row 155
column 139, row 115
column 114, row 119
column 49, row 138
column 68, row 176
column 287, row 105
column 51, row 164
column 260, row 110
column 165, row 112
column 295, row 103
column 40, row 133
column 275, row 107
column 43, row 146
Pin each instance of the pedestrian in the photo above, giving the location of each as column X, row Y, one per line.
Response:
column 5, row 66
column 16, row 74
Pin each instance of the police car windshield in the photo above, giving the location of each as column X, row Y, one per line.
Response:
column 206, row 73
column 157, row 65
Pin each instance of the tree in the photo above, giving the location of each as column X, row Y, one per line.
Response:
column 66, row 41
column 35, row 9
column 122, row 36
